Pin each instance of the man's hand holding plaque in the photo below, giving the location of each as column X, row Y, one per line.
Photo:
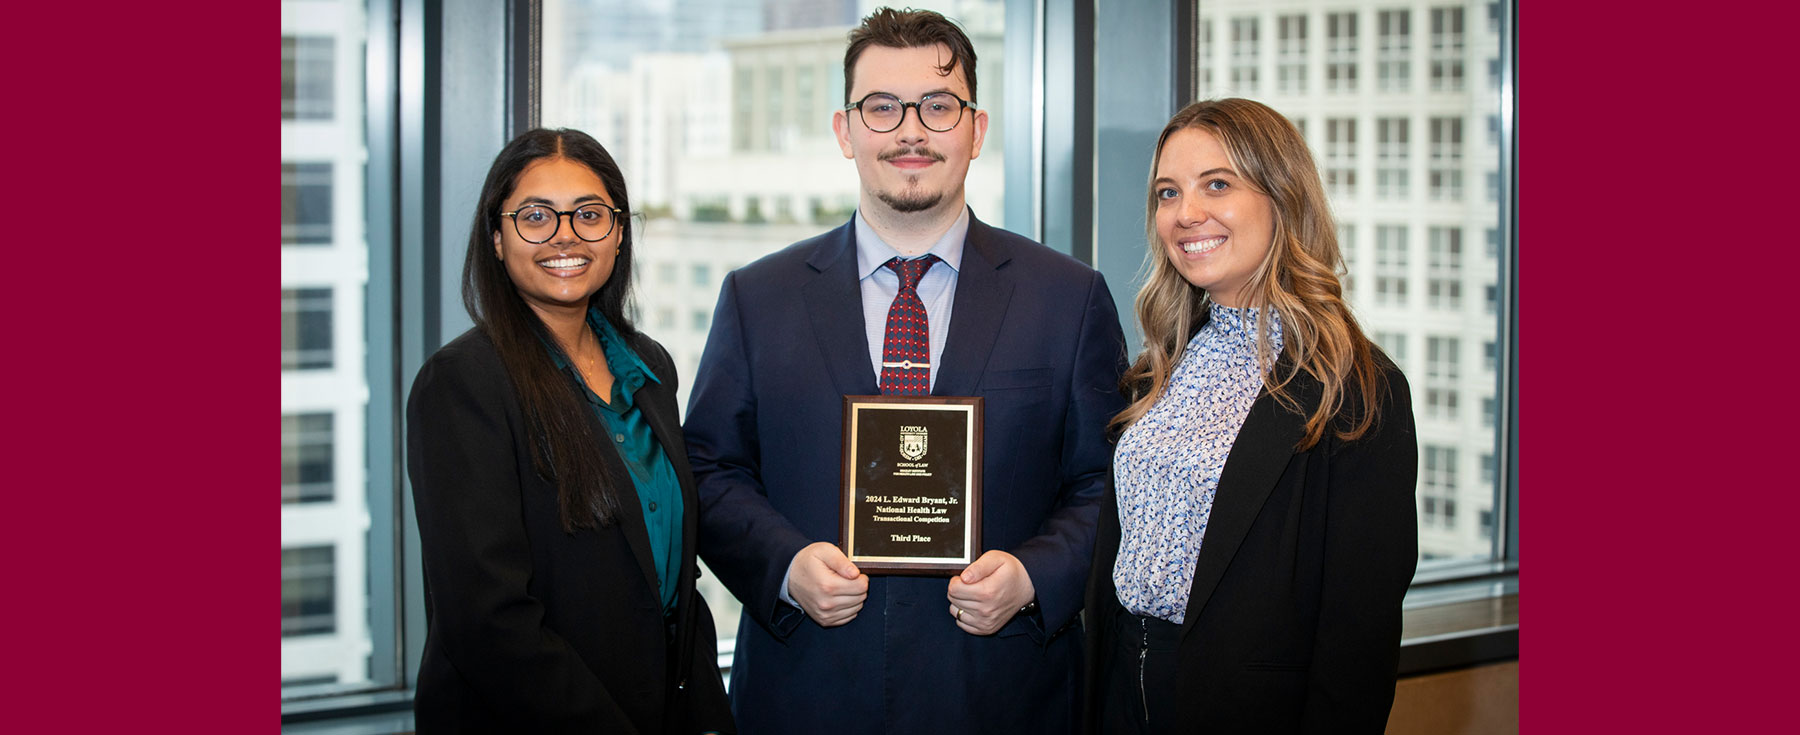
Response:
column 826, row 586
column 990, row 592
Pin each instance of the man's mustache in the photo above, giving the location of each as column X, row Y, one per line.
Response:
column 912, row 151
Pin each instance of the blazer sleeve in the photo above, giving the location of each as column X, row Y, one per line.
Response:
column 1371, row 550
column 1059, row 556
column 743, row 538
column 476, row 555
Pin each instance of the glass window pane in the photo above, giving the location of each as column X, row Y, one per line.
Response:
column 307, row 65
column 305, row 328
column 326, row 601
column 306, row 458
column 719, row 112
column 1413, row 132
column 308, row 594
column 305, row 203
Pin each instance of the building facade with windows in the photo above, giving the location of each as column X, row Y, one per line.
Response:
column 1388, row 96
column 324, row 386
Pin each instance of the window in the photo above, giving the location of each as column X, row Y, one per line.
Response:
column 305, row 203
column 1290, row 54
column 338, row 500
column 777, row 98
column 305, row 328
column 1491, row 355
column 1340, row 157
column 743, row 124
column 1437, row 487
column 1440, row 404
column 1421, row 93
column 1340, row 52
column 1441, row 385
column 1245, row 54
column 805, row 96
column 1390, row 265
column 701, row 321
column 307, row 69
column 1394, row 344
column 1393, row 50
column 665, row 273
column 308, row 591
column 1446, row 49
column 1485, row 516
column 1204, row 50
column 1443, row 289
column 1441, row 358
column 1391, row 157
column 306, row 458
column 702, row 275
column 1446, row 158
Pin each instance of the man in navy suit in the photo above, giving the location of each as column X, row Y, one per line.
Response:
column 824, row 647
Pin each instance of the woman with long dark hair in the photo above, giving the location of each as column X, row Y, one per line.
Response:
column 556, row 508
column 1249, row 571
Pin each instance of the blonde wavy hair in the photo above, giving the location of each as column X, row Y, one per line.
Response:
column 1298, row 278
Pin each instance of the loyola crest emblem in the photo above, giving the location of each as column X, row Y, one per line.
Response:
column 912, row 442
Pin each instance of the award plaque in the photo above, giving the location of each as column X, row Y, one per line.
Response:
column 912, row 483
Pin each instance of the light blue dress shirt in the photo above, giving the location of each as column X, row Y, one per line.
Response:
column 879, row 286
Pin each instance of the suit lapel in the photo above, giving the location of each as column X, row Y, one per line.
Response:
column 834, row 305
column 1258, row 457
column 981, row 299
column 631, row 510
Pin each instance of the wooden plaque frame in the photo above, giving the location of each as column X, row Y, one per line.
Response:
column 900, row 493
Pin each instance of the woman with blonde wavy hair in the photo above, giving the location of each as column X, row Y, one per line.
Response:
column 1248, row 577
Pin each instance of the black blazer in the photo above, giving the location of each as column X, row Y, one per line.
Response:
column 530, row 628
column 1293, row 622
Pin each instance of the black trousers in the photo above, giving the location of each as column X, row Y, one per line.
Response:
column 1138, row 693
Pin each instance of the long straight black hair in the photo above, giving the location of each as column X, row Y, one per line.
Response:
column 565, row 451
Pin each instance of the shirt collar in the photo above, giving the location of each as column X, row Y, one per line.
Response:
column 617, row 351
column 1239, row 323
column 626, row 366
column 872, row 252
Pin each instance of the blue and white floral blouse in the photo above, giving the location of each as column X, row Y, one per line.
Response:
column 1166, row 468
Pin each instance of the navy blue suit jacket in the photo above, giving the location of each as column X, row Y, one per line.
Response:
column 1035, row 333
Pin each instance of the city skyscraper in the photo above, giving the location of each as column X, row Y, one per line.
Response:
column 1400, row 104
column 324, row 385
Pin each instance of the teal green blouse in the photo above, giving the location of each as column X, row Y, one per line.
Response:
column 658, row 491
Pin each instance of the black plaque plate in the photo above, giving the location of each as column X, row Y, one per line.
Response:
column 912, row 483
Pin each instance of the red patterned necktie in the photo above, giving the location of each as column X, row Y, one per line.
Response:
column 906, row 350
